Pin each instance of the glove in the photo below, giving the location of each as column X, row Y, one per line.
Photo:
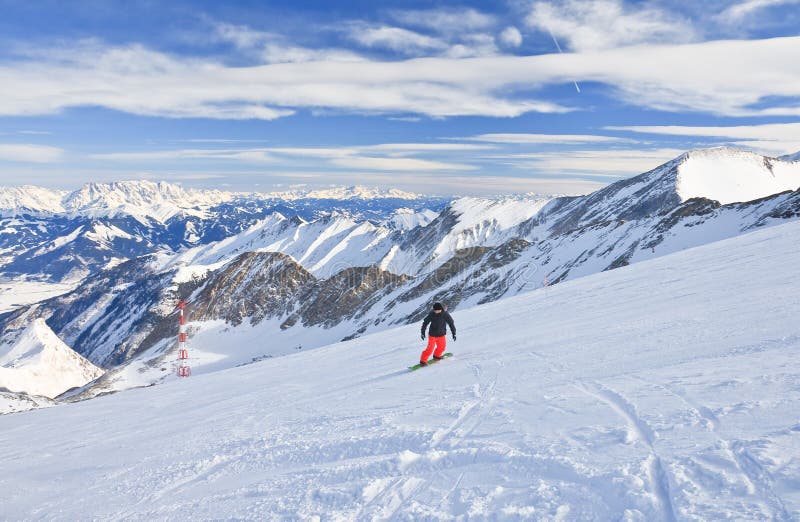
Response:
column 422, row 336
column 454, row 337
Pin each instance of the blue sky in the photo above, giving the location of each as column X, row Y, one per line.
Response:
column 436, row 97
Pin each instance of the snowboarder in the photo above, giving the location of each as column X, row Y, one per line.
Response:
column 438, row 318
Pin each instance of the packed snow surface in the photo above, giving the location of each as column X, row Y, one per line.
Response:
column 666, row 390
column 37, row 362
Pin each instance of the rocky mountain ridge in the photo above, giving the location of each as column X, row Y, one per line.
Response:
column 286, row 283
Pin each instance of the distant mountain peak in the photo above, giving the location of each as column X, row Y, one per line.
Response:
column 161, row 200
column 730, row 175
column 140, row 198
column 341, row 192
column 30, row 199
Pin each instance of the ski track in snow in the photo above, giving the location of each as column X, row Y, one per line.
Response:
column 638, row 431
column 630, row 395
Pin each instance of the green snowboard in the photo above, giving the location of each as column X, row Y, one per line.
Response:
column 418, row 366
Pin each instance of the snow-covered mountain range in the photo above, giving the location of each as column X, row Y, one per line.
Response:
column 160, row 201
column 666, row 390
column 291, row 276
column 62, row 237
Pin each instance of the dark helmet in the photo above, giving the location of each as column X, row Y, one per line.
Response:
column 438, row 306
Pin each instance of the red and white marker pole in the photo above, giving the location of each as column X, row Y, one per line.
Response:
column 183, row 354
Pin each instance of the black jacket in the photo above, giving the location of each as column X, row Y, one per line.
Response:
column 438, row 324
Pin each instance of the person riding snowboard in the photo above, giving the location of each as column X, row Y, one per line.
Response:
column 438, row 318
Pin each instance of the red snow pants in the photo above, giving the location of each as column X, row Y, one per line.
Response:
column 437, row 343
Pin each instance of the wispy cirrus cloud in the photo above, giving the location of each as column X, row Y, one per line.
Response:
column 380, row 157
column 395, row 38
column 591, row 25
column 736, row 12
column 772, row 138
column 691, row 77
column 446, row 20
column 397, row 164
column 541, row 139
column 273, row 48
column 410, row 43
column 28, row 153
column 613, row 164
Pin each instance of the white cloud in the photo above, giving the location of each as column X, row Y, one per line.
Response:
column 415, row 148
column 511, row 37
column 740, row 10
column 589, row 25
column 595, row 163
column 250, row 155
column 411, row 43
column 382, row 157
column 451, row 183
column 35, row 132
column 272, row 47
column 471, row 45
column 395, row 39
column 315, row 152
column 242, row 36
column 483, row 185
column 133, row 79
column 396, row 164
column 523, row 138
column 772, row 138
column 30, row 153
column 446, row 21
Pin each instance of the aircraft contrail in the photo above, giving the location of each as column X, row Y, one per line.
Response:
column 577, row 88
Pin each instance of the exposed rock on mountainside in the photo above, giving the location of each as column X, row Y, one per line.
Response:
column 304, row 283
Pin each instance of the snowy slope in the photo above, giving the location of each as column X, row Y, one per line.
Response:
column 791, row 157
column 465, row 223
column 324, row 246
column 14, row 294
column 407, row 245
column 407, row 219
column 15, row 402
column 729, row 175
column 666, row 390
column 37, row 362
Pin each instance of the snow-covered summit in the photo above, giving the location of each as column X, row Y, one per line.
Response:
column 721, row 174
column 141, row 199
column 729, row 175
column 27, row 198
column 147, row 200
column 37, row 362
